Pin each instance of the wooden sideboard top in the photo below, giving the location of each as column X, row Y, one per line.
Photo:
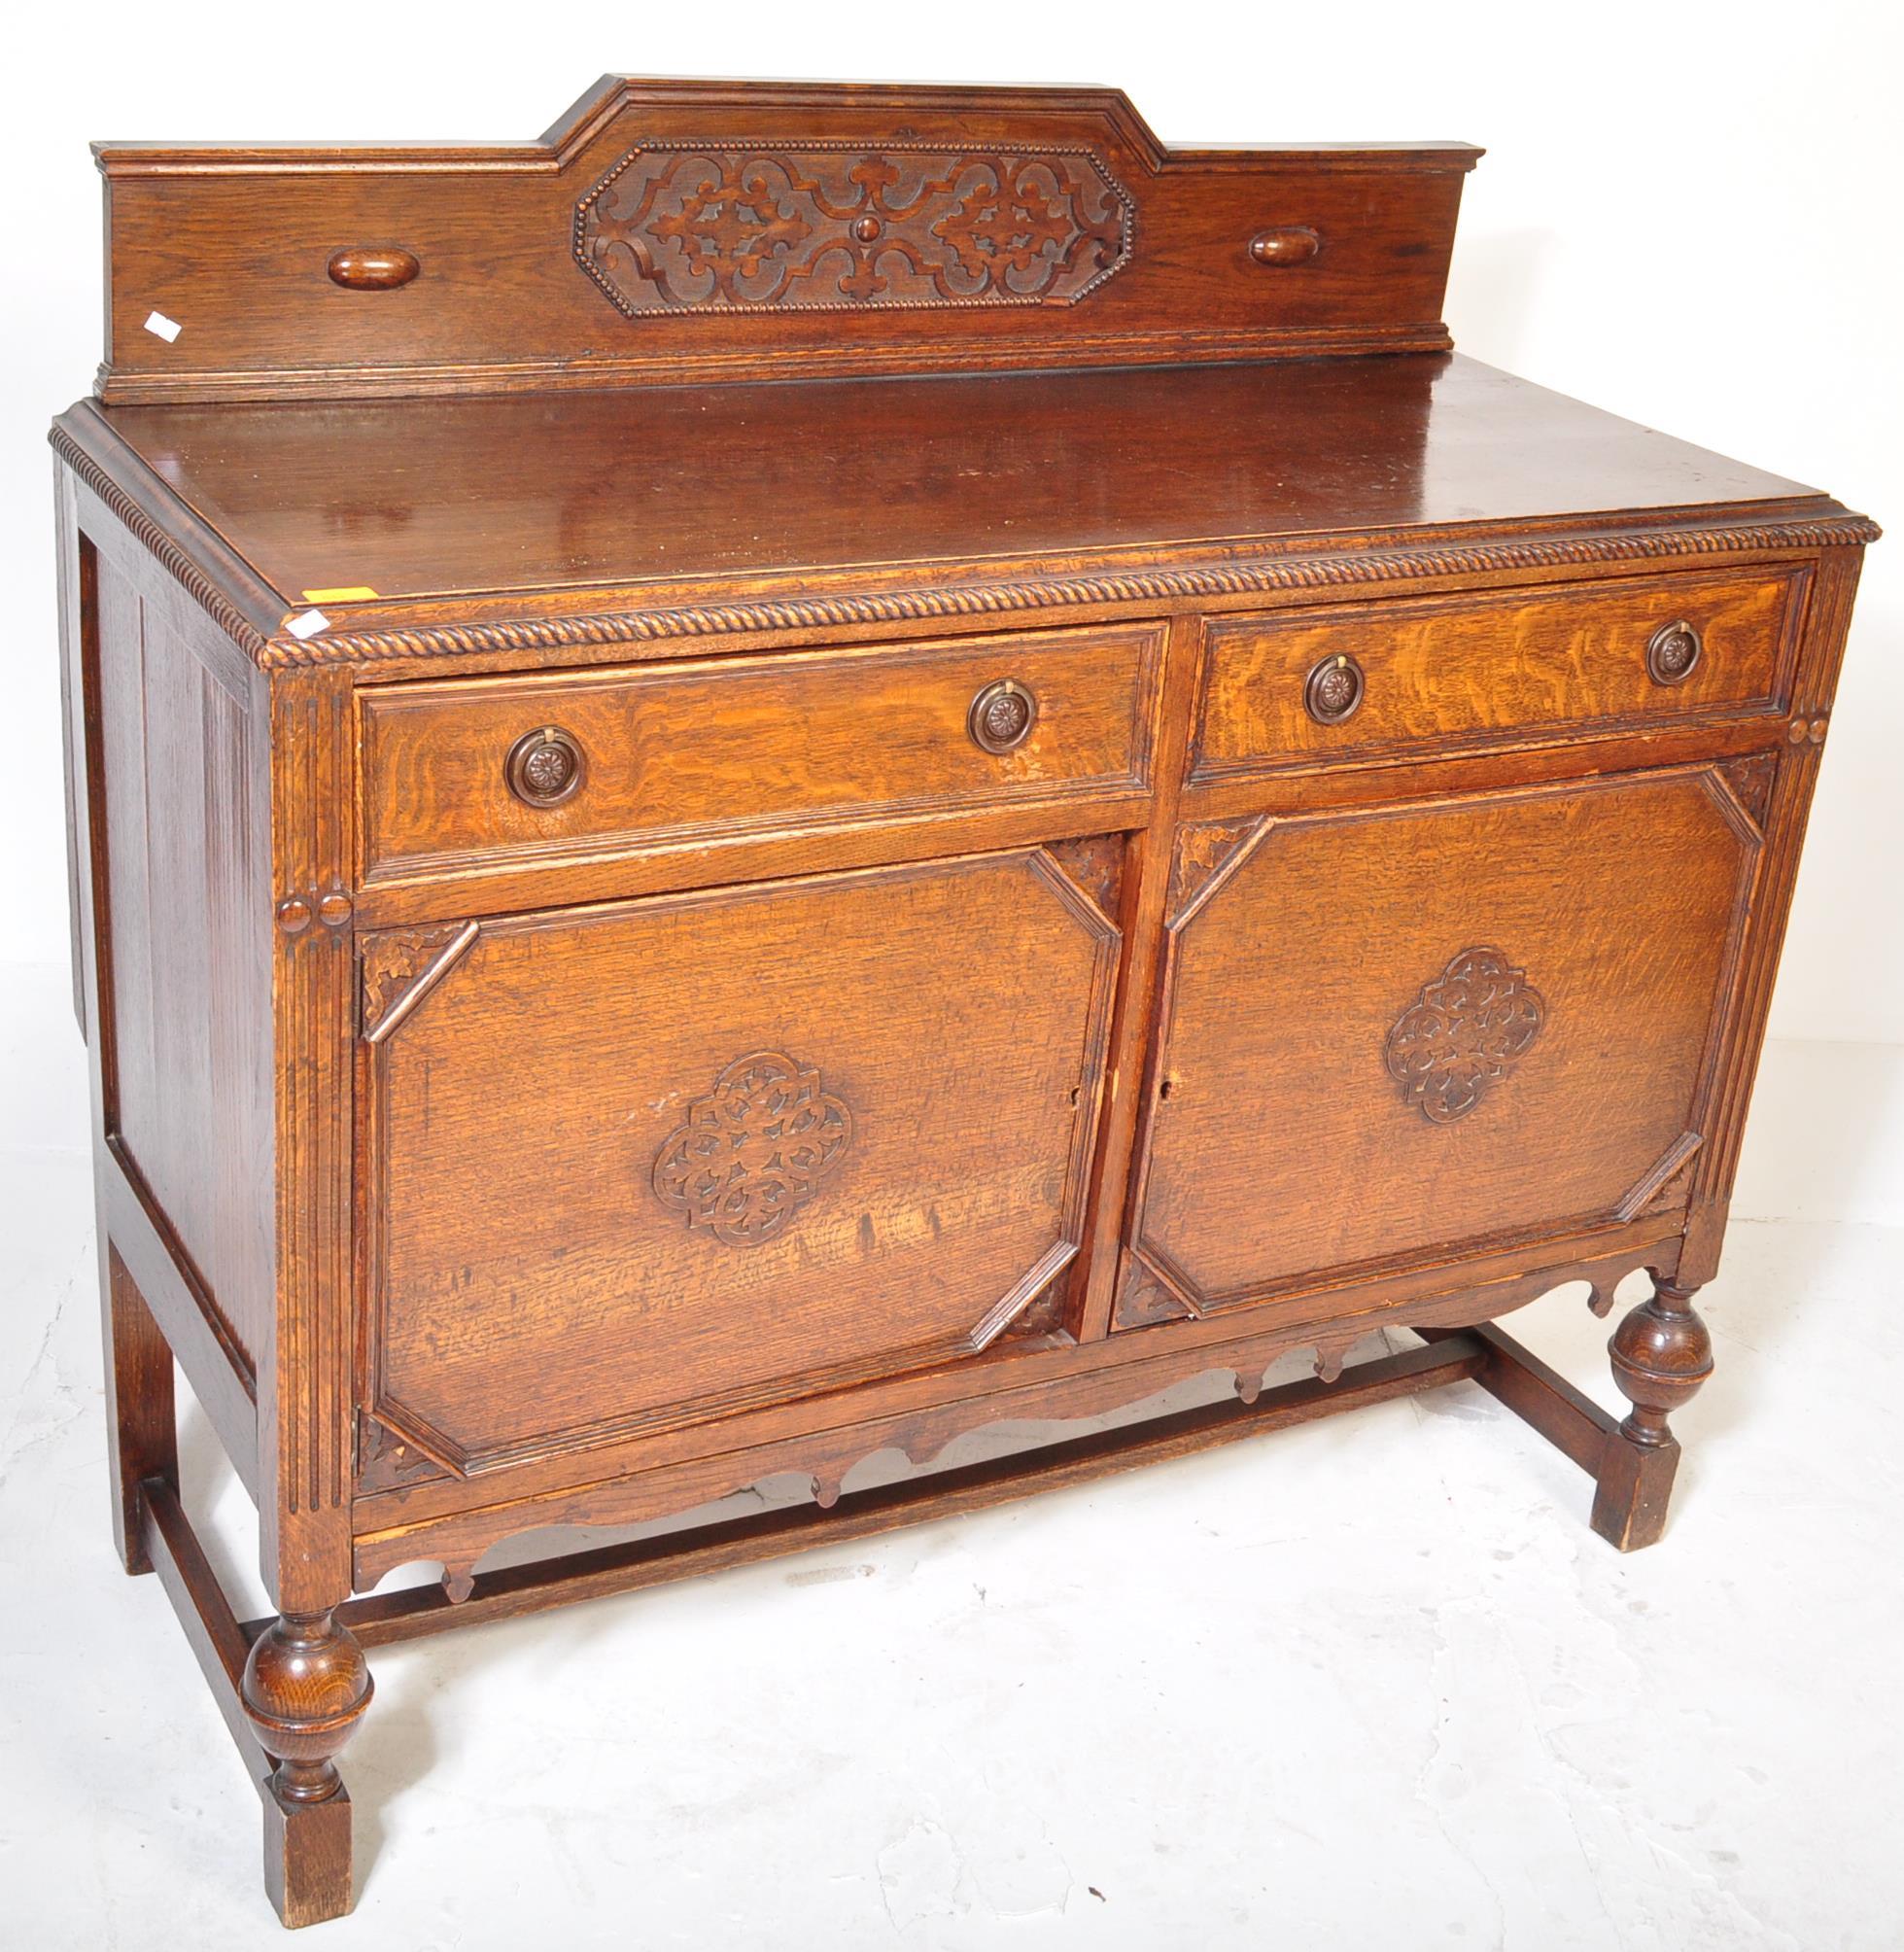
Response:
column 544, row 504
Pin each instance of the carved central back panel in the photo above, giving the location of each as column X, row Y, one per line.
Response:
column 840, row 228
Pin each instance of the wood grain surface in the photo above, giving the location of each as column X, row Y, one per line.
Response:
column 1475, row 669
column 234, row 246
column 411, row 498
column 955, row 1011
column 1279, row 1145
column 751, row 747
column 186, row 1034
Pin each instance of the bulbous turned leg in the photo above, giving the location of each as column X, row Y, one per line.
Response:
column 306, row 1686
column 1661, row 1353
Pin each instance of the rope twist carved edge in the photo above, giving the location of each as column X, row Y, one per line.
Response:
column 171, row 557
column 1039, row 593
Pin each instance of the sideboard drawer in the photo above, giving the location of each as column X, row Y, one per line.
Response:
column 532, row 767
column 1361, row 679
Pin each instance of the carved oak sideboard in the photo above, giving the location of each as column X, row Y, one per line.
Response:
column 808, row 767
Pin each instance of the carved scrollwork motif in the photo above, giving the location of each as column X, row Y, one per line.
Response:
column 1471, row 1025
column 753, row 1151
column 825, row 227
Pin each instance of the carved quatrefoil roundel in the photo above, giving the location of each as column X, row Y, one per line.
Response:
column 1471, row 1025
column 754, row 1150
column 825, row 227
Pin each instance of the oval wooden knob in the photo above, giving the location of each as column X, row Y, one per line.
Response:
column 1673, row 654
column 1291, row 244
column 1002, row 715
column 1333, row 689
column 374, row 267
column 544, row 767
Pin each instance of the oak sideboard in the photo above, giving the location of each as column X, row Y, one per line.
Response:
column 811, row 767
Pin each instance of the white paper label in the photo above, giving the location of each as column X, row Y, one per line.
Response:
column 307, row 625
column 167, row 329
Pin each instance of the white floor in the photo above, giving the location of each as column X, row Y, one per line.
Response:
column 1371, row 1684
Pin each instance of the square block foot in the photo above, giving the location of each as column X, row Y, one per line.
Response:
column 307, row 1858
column 1633, row 1488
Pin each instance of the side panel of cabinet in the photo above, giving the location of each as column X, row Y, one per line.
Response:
column 637, row 1165
column 177, row 734
column 1413, row 1030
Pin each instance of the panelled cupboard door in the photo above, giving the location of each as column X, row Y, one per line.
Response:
column 1402, row 1030
column 634, row 1165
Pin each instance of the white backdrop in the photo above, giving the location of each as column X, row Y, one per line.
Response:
column 1687, row 214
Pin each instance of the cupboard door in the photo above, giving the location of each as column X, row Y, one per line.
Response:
column 634, row 1165
column 1414, row 1029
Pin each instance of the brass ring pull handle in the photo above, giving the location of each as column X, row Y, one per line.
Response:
column 1333, row 689
column 1002, row 715
column 1289, row 244
column 544, row 767
column 1673, row 654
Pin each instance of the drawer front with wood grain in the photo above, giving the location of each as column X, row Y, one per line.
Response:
column 532, row 769
column 1359, row 680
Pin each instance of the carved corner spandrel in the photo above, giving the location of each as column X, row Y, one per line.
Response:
column 1205, row 851
column 1653, row 1189
column 387, row 1461
column 1044, row 1317
column 1094, row 865
column 1144, row 1299
column 399, row 967
column 1750, row 780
